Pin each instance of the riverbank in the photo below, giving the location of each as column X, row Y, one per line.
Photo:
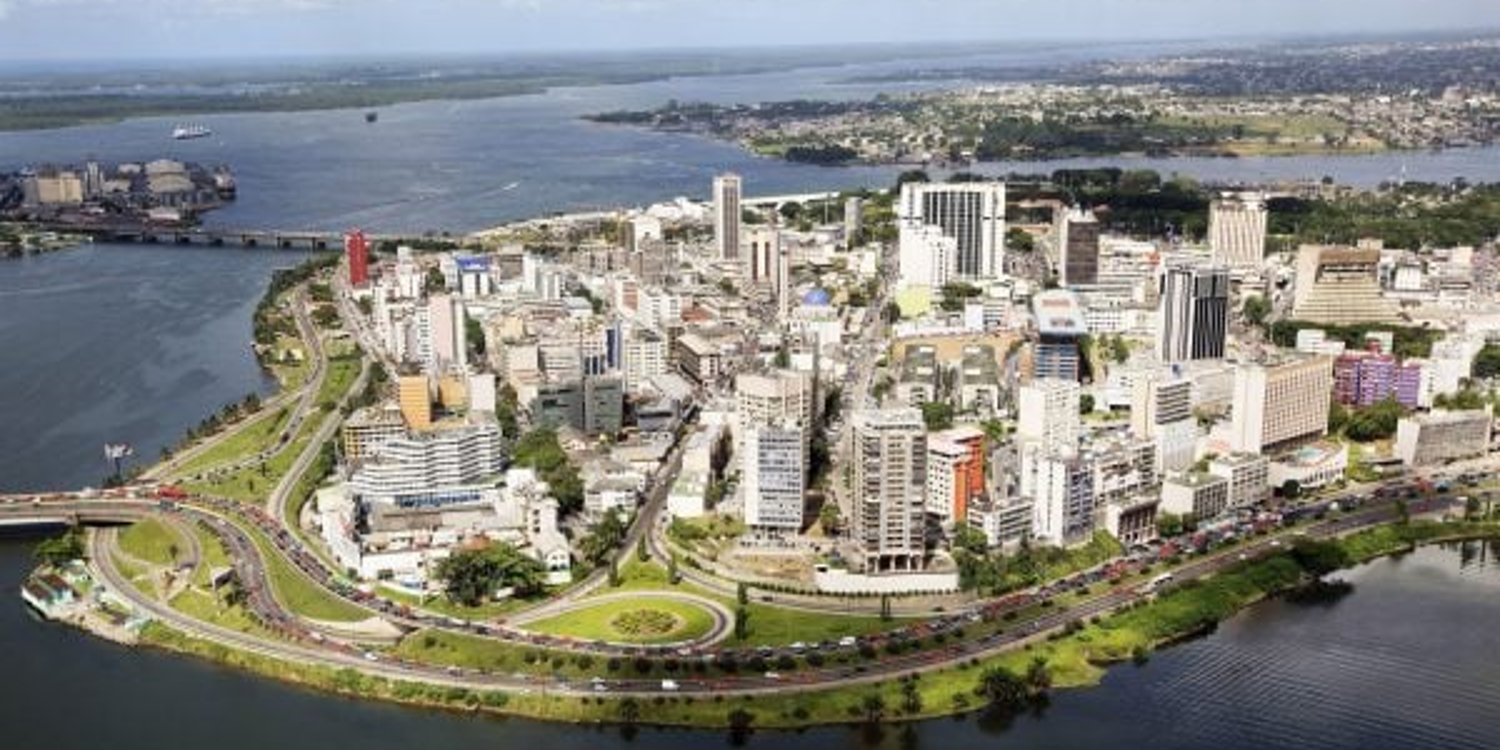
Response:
column 1073, row 657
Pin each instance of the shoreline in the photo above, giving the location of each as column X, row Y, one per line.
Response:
column 1072, row 655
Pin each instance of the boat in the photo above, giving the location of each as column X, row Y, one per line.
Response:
column 511, row 186
column 372, row 116
column 188, row 132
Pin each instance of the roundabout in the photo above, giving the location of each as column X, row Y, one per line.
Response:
column 640, row 618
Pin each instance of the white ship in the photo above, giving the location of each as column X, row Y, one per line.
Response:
column 188, row 132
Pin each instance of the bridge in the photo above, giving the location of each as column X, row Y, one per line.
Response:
column 155, row 234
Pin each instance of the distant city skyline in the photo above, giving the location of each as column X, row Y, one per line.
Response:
column 166, row 29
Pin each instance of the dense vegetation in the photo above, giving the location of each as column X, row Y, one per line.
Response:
column 472, row 576
column 540, row 450
column 1406, row 341
column 1410, row 216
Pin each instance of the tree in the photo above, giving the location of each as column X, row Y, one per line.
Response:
column 1169, row 524
column 741, row 622
column 829, row 517
column 629, row 711
column 1291, row 489
column 938, row 415
column 1039, row 675
column 472, row 576
column 540, row 450
column 1487, row 362
column 1019, row 240
column 474, row 334
column 1256, row 309
column 641, row 553
column 911, row 175
column 1086, row 403
column 873, row 707
column 60, row 549
column 742, row 594
column 604, row 537
column 911, row 697
column 1002, row 689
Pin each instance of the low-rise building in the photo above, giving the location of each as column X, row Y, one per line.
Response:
column 1248, row 475
column 1198, row 495
column 1426, row 439
column 1310, row 466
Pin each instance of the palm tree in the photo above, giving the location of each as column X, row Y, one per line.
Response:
column 873, row 707
column 1038, row 675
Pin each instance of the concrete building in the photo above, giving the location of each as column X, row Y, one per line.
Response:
column 1048, row 414
column 441, row 467
column 367, row 429
column 763, row 244
column 448, row 345
column 1078, row 248
column 1280, row 404
column 644, row 356
column 854, row 217
column 1005, row 522
column 1132, row 521
column 1059, row 324
column 1340, row 286
column 1161, row 410
column 1427, row 439
column 917, row 382
column 726, row 199
column 590, row 404
column 1311, row 466
column 1237, row 229
column 955, row 472
column 1248, row 476
column 978, row 379
column 1197, row 495
column 890, row 490
column 414, row 394
column 1061, row 487
column 1362, row 379
column 1193, row 312
column 972, row 214
column 773, row 475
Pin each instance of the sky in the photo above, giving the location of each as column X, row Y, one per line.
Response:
column 156, row 29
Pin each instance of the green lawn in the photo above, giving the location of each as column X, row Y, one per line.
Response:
column 248, row 440
column 300, row 595
column 776, row 626
column 648, row 620
column 445, row 606
column 152, row 541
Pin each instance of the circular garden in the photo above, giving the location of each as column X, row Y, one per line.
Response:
column 636, row 619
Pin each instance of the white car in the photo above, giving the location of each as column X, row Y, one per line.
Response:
column 670, row 686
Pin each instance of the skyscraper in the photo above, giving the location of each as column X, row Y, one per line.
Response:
column 971, row 213
column 727, row 196
column 358, row 251
column 890, row 489
column 1194, row 312
column 448, row 348
column 1078, row 248
column 1280, row 404
column 1237, row 229
column 764, row 246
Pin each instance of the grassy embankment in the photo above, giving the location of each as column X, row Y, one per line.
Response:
column 1072, row 659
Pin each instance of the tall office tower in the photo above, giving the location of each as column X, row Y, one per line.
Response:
column 446, row 328
column 415, row 396
column 1049, row 414
column 774, row 473
column 1060, row 324
column 972, row 214
column 727, row 215
column 1280, row 404
column 1237, row 229
column 764, row 246
column 890, row 481
column 1194, row 311
column 783, row 283
column 854, row 217
column 358, row 251
column 1078, row 248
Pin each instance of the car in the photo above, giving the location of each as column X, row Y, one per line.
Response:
column 848, row 641
column 773, row 676
column 669, row 686
column 371, row 656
